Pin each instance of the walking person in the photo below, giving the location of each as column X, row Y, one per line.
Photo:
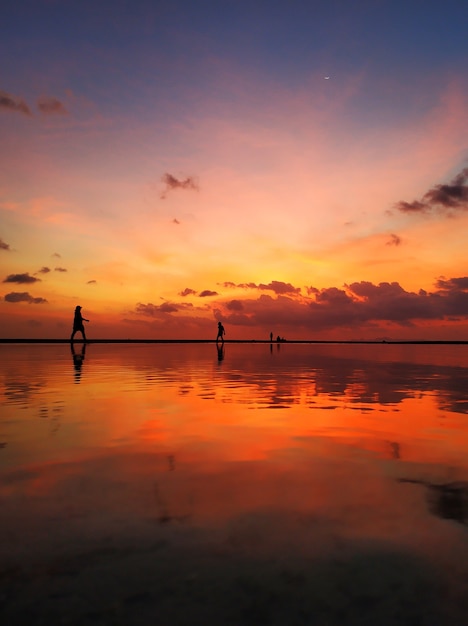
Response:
column 78, row 324
column 221, row 333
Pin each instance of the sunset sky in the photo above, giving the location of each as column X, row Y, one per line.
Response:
column 293, row 167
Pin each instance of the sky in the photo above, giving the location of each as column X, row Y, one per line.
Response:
column 299, row 168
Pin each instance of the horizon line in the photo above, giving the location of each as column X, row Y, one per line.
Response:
column 231, row 341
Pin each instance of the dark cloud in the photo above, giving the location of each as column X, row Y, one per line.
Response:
column 51, row 106
column 3, row 245
column 280, row 287
column 242, row 285
column 234, row 305
column 441, row 199
column 277, row 286
column 412, row 207
column 154, row 310
column 453, row 284
column 353, row 306
column 91, row 282
column 21, row 278
column 44, row 270
column 175, row 221
column 187, row 292
column 60, row 269
column 207, row 292
column 171, row 183
column 11, row 103
column 394, row 240
column 14, row 296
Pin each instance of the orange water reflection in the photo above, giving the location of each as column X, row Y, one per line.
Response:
column 296, row 450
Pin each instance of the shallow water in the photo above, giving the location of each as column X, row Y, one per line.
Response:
column 282, row 484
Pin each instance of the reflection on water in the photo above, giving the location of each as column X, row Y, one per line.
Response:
column 283, row 476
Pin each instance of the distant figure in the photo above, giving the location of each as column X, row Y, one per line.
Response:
column 221, row 332
column 271, row 337
column 278, row 339
column 78, row 324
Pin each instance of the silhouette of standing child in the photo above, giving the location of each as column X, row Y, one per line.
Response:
column 221, row 332
column 78, row 324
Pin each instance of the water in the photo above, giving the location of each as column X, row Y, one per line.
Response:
column 258, row 484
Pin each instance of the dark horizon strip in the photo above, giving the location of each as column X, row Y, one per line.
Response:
column 231, row 341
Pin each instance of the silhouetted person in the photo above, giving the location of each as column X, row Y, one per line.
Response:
column 78, row 324
column 271, row 337
column 221, row 333
column 78, row 361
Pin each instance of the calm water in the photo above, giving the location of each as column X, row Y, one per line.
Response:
column 290, row 484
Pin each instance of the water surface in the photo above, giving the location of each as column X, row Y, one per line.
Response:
column 281, row 484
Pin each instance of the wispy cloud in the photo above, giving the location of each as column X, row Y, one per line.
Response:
column 441, row 199
column 51, row 106
column 13, row 103
column 187, row 292
column 44, row 270
column 60, row 269
column 25, row 278
column 24, row 296
column 394, row 240
column 276, row 286
column 162, row 310
column 4, row 246
column 171, row 183
column 153, row 310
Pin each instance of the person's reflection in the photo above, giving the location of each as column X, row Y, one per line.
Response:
column 78, row 358
column 220, row 349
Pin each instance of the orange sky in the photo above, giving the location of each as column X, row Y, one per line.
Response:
column 173, row 182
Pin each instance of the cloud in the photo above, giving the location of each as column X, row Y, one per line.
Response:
column 453, row 284
column 280, row 287
column 21, row 278
column 354, row 306
column 207, row 292
column 175, row 221
column 11, row 103
column 15, row 296
column 91, row 282
column 171, row 183
column 51, row 106
column 154, row 310
column 394, row 240
column 3, row 245
column 187, row 292
column 44, row 270
column 60, row 269
column 56, row 255
column 276, row 286
column 441, row 199
column 234, row 305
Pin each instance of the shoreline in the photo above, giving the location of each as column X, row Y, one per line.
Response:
column 237, row 341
